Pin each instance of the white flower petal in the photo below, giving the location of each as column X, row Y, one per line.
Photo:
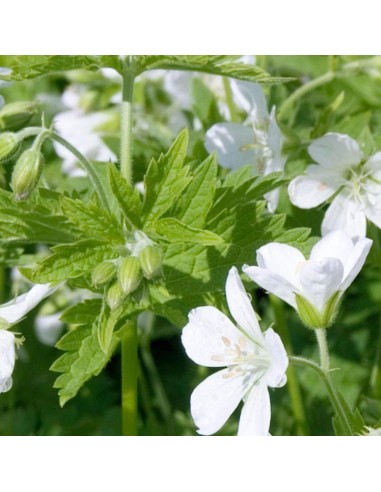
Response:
column 335, row 150
column 355, row 261
column 17, row 308
column 7, row 359
column 345, row 215
column 249, row 97
column 234, row 144
column 373, row 210
column 241, row 308
column 273, row 283
column 215, row 399
column 272, row 198
column 335, row 244
column 275, row 138
column 281, row 259
column 256, row 412
column 208, row 335
column 276, row 374
column 320, row 280
column 373, row 164
column 312, row 189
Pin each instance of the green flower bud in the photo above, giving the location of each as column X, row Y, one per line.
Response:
column 26, row 173
column 150, row 260
column 103, row 273
column 315, row 319
column 8, row 145
column 115, row 296
column 129, row 274
column 14, row 116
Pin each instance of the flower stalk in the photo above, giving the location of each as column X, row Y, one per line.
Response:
column 130, row 340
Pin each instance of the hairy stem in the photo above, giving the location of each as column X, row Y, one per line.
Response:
column 331, row 389
column 129, row 380
column 323, row 348
column 130, row 340
column 302, row 91
column 94, row 178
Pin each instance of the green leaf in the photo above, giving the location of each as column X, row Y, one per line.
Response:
column 223, row 65
column 106, row 326
column 127, row 196
column 92, row 220
column 165, row 180
column 83, row 313
column 83, row 359
column 73, row 260
column 31, row 222
column 174, row 231
column 29, row 67
column 195, row 202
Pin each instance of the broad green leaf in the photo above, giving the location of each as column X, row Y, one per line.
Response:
column 223, row 65
column 73, row 260
column 31, row 222
column 83, row 359
column 165, row 180
column 195, row 202
column 83, row 313
column 93, row 221
column 30, row 67
column 127, row 196
column 174, row 231
column 205, row 104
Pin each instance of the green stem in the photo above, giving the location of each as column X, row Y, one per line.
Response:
column 129, row 380
column 302, row 91
column 234, row 116
column 292, row 381
column 94, row 178
column 126, row 124
column 130, row 340
column 332, row 391
column 323, row 348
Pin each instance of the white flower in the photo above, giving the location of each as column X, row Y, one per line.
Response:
column 254, row 361
column 7, row 359
column 334, row 263
column 10, row 313
column 82, row 131
column 257, row 142
column 341, row 173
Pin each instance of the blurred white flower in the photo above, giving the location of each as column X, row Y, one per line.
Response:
column 257, row 142
column 334, row 263
column 7, row 359
column 3, row 83
column 10, row 313
column 48, row 328
column 254, row 360
column 82, row 131
column 341, row 173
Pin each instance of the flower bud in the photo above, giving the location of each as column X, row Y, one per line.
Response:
column 150, row 260
column 115, row 296
column 8, row 145
column 315, row 319
column 14, row 116
column 129, row 274
column 103, row 273
column 26, row 173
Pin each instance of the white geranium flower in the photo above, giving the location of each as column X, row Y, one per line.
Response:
column 341, row 173
column 10, row 313
column 82, row 131
column 7, row 359
column 257, row 142
column 254, row 361
column 334, row 263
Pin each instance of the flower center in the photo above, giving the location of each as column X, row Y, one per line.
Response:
column 357, row 181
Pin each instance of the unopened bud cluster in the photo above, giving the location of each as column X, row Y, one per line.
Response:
column 124, row 276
